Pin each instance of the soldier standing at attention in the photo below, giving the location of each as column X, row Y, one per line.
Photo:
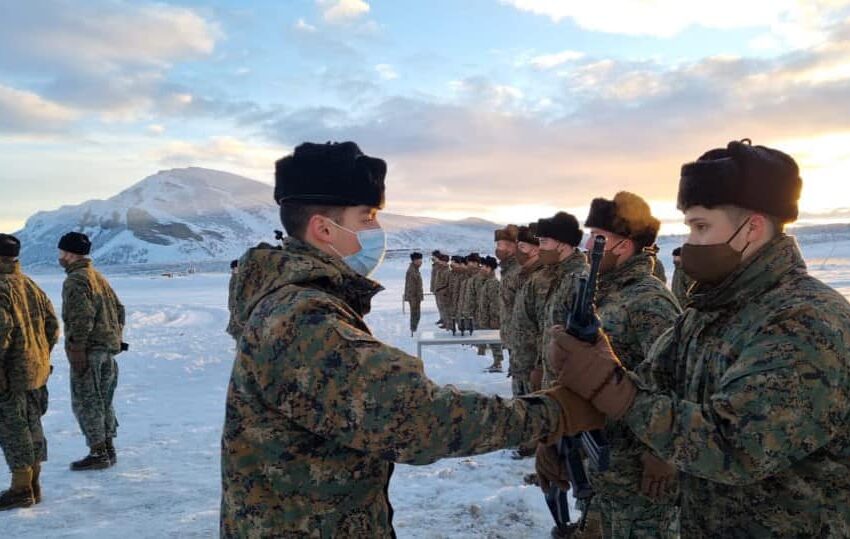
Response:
column 28, row 331
column 748, row 395
column 441, row 289
column 521, row 366
column 487, row 312
column 318, row 410
column 681, row 282
column 413, row 290
column 509, row 277
column 94, row 322
column 233, row 328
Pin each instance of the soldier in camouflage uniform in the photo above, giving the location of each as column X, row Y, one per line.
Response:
column 635, row 309
column 521, row 366
column 413, row 290
column 506, row 250
column 469, row 280
column 657, row 267
column 441, row 289
column 319, row 410
column 748, row 395
column 681, row 282
column 28, row 331
column 487, row 315
column 453, row 282
column 233, row 328
column 94, row 322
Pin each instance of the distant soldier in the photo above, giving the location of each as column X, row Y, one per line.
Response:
column 413, row 290
column 233, row 328
column 319, row 410
column 747, row 397
column 442, row 293
column 28, row 331
column 681, row 282
column 487, row 315
column 94, row 322
column 509, row 277
column 522, row 365
column 434, row 260
column 657, row 267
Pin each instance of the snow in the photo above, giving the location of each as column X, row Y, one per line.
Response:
column 170, row 403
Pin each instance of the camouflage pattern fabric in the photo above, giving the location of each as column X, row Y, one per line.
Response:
column 459, row 278
column 680, row 285
column 749, row 398
column 233, row 327
column 318, row 410
column 435, row 269
column 487, row 313
column 518, row 371
column 635, row 309
column 441, row 292
column 508, row 288
column 28, row 331
column 91, row 312
column 21, row 435
column 413, row 295
column 92, row 393
column 471, row 288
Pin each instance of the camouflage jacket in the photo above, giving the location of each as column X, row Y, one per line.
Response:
column 91, row 312
column 508, row 288
column 435, row 269
column 680, row 285
column 413, row 285
column 658, row 269
column 233, row 327
column 441, row 281
column 318, row 410
column 459, row 291
column 487, row 313
column 471, row 289
column 752, row 403
column 635, row 309
column 28, row 331
column 531, row 317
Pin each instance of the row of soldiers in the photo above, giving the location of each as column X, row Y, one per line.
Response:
column 728, row 416
column 93, row 319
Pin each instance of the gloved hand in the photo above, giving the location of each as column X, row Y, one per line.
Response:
column 591, row 370
column 77, row 357
column 551, row 469
column 659, row 477
column 577, row 414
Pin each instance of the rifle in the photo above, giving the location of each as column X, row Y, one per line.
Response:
column 583, row 324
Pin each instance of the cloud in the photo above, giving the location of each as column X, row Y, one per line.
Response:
column 386, row 71
column 106, row 56
column 340, row 11
column 222, row 152
column 794, row 20
column 23, row 112
column 548, row 61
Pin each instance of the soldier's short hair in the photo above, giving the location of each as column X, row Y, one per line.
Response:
column 295, row 217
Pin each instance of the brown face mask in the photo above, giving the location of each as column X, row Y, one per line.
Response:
column 711, row 264
column 522, row 258
column 503, row 254
column 550, row 257
column 609, row 260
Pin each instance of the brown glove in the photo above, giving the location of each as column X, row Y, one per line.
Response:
column 591, row 370
column 551, row 469
column 77, row 357
column 577, row 414
column 537, row 379
column 659, row 477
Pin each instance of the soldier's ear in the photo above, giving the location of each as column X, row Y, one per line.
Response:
column 318, row 229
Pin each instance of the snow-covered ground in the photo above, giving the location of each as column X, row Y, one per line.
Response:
column 170, row 403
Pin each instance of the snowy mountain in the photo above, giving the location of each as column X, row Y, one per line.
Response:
column 196, row 215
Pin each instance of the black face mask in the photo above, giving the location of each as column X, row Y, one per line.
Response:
column 711, row 264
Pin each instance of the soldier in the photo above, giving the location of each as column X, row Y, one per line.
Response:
column 508, row 285
column 469, row 278
column 453, row 289
column 681, row 282
column 749, row 393
column 441, row 290
column 28, row 331
column 413, row 290
column 527, row 255
column 318, row 409
column 233, row 328
column 94, row 321
column 658, row 268
column 635, row 309
column 487, row 314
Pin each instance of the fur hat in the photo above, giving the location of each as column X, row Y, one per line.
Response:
column 527, row 234
column 753, row 177
column 234, row 264
column 75, row 242
column 490, row 262
column 628, row 215
column 509, row 233
column 457, row 259
column 562, row 227
column 474, row 258
column 415, row 256
column 677, row 251
column 332, row 174
column 9, row 246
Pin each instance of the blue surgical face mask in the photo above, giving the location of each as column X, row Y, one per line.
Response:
column 373, row 246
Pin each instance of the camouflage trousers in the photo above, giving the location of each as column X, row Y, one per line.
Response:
column 636, row 518
column 520, row 384
column 91, row 397
column 415, row 315
column 21, row 435
column 441, row 301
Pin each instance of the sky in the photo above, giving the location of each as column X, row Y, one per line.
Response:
column 507, row 110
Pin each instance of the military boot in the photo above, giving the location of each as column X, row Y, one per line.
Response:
column 20, row 493
column 36, row 485
column 97, row 459
column 110, row 450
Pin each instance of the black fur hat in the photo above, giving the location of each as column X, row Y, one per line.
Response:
column 234, row 264
column 752, row 177
column 415, row 256
column 473, row 257
column 75, row 242
column 490, row 262
column 562, row 227
column 457, row 259
column 9, row 246
column 528, row 234
column 332, row 174
column 628, row 215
